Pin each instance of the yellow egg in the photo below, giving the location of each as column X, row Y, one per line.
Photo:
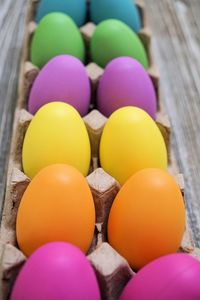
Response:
column 131, row 141
column 56, row 134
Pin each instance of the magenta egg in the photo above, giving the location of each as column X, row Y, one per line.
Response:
column 125, row 82
column 171, row 277
column 64, row 79
column 56, row 271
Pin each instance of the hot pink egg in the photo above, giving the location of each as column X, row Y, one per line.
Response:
column 64, row 79
column 171, row 277
column 125, row 82
column 56, row 271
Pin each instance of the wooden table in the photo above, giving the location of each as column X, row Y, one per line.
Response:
column 176, row 44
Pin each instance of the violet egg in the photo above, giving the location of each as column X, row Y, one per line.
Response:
column 64, row 79
column 125, row 82
column 56, row 271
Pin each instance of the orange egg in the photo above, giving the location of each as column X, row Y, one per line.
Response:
column 147, row 218
column 56, row 206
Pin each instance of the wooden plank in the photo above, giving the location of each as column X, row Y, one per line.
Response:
column 176, row 47
column 12, row 16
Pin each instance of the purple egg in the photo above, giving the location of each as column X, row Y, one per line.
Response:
column 64, row 79
column 171, row 277
column 125, row 82
column 56, row 271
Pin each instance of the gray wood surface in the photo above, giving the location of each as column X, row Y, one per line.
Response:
column 12, row 19
column 176, row 48
column 176, row 45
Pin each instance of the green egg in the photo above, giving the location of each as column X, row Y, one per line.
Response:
column 56, row 34
column 112, row 39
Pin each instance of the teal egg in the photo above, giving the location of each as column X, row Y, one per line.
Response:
column 125, row 11
column 76, row 9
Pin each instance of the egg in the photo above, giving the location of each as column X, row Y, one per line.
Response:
column 56, row 134
column 125, row 11
column 56, row 34
column 147, row 218
column 174, row 277
column 76, row 9
column 125, row 82
column 112, row 39
column 56, row 271
column 63, row 78
column 56, row 206
column 131, row 141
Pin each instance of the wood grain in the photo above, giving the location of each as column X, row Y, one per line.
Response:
column 12, row 18
column 176, row 47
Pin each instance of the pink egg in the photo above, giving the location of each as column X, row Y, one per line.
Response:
column 125, row 82
column 56, row 271
column 63, row 78
column 171, row 277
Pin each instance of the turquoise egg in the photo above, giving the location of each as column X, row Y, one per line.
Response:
column 76, row 9
column 123, row 10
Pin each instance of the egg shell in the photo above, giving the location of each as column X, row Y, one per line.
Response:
column 63, row 78
column 112, row 39
column 56, row 134
column 147, row 218
column 56, row 206
column 174, row 277
column 125, row 11
column 56, row 34
column 125, row 82
column 76, row 9
column 56, row 271
column 131, row 141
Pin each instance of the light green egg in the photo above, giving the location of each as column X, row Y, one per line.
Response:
column 56, row 34
column 112, row 39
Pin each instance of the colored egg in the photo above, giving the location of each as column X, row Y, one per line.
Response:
column 56, row 271
column 56, row 34
column 63, row 78
column 125, row 11
column 147, row 218
column 56, row 206
column 131, row 141
column 56, row 134
column 125, row 83
column 112, row 39
column 76, row 9
column 174, row 277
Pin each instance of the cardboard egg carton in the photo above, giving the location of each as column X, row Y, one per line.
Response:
column 112, row 270
column 87, row 31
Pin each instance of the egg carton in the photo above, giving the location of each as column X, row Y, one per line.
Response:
column 112, row 270
column 87, row 31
